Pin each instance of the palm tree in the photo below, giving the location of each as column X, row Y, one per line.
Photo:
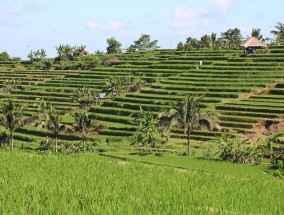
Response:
column 31, row 55
column 205, row 41
column 64, row 51
column 180, row 46
column 86, row 125
column 11, row 118
column 279, row 32
column 42, row 54
column 54, row 125
column 45, row 107
column 256, row 32
column 213, row 38
column 188, row 116
column 37, row 54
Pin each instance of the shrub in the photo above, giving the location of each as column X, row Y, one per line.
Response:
column 237, row 150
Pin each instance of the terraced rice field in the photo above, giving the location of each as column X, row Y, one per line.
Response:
column 92, row 184
column 231, row 83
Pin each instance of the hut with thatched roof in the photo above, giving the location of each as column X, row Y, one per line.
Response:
column 113, row 61
column 251, row 44
column 79, row 53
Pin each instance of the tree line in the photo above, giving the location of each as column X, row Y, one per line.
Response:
column 227, row 40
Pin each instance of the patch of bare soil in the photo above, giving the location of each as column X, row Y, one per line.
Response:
column 122, row 163
column 265, row 128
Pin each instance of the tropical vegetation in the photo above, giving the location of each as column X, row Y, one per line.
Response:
column 86, row 122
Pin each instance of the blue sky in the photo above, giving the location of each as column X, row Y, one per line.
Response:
column 34, row 24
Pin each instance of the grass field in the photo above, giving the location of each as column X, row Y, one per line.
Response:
column 168, row 184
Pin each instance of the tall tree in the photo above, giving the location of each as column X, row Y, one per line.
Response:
column 87, row 126
column 54, row 125
column 42, row 54
column 4, row 56
column 31, row 55
column 11, row 118
column 180, row 46
column 279, row 31
column 191, row 43
column 188, row 116
column 213, row 39
column 64, row 51
column 114, row 46
column 144, row 43
column 205, row 41
column 232, row 37
column 37, row 54
column 43, row 107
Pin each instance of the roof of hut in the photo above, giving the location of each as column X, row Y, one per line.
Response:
column 114, row 60
column 253, row 42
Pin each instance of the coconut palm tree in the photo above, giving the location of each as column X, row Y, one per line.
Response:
column 187, row 115
column 213, row 38
column 279, row 32
column 87, row 126
column 42, row 54
column 31, row 55
column 255, row 32
column 11, row 118
column 205, row 41
column 44, row 107
column 64, row 51
column 54, row 125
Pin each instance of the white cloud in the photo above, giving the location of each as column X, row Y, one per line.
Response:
column 213, row 12
column 12, row 14
column 108, row 26
column 90, row 24
column 150, row 20
column 187, row 13
column 184, row 23
column 223, row 5
column 185, row 16
column 111, row 26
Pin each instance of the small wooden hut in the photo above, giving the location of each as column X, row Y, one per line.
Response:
column 251, row 44
column 113, row 61
column 80, row 53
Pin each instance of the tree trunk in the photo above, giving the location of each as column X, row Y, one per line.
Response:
column 188, row 142
column 84, row 146
column 272, row 160
column 56, row 144
column 12, row 141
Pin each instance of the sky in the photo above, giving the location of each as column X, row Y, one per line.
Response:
column 34, row 24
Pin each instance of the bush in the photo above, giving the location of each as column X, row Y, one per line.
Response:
column 237, row 150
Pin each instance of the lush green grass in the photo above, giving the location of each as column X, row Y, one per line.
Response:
column 91, row 184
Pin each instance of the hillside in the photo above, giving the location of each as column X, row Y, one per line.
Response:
column 243, row 89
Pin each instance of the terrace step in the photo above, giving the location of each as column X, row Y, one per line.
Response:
column 255, row 115
column 251, row 109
